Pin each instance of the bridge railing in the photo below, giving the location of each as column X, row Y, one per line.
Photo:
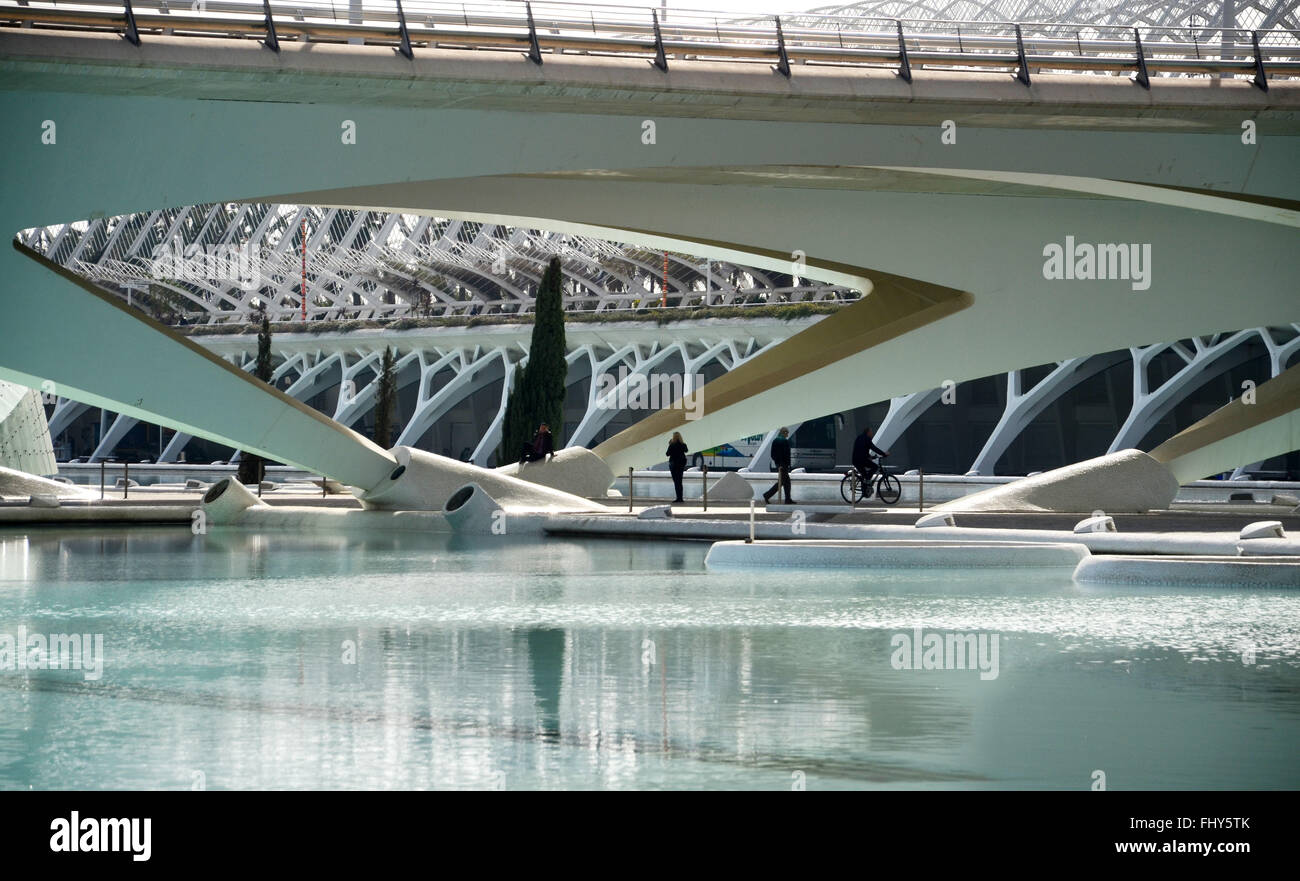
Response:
column 544, row 29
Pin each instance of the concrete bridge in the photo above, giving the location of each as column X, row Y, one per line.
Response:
column 943, row 197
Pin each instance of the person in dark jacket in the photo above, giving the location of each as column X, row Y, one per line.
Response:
column 781, row 459
column 542, row 447
column 862, row 450
column 676, row 453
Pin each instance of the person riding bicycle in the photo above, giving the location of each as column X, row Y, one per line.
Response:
column 862, row 461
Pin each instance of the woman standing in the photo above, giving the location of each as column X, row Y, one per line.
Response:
column 676, row 453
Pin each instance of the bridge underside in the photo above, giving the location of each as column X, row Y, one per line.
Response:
column 949, row 238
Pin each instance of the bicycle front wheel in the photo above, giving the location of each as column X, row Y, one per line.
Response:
column 889, row 490
column 849, row 488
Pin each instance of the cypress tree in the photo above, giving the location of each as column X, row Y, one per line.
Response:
column 252, row 468
column 538, row 395
column 385, row 401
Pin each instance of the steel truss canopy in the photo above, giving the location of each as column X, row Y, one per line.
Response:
column 1203, row 15
column 225, row 262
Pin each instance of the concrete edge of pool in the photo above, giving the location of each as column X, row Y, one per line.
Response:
column 1085, row 567
column 888, row 554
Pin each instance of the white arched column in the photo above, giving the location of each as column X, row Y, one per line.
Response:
column 903, row 411
column 1150, row 406
column 470, row 375
column 1024, row 406
column 492, row 437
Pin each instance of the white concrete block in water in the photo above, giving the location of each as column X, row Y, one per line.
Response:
column 939, row 518
column 888, row 554
column 575, row 470
column 470, row 509
column 1129, row 481
column 1263, row 529
column 227, row 499
column 1269, row 547
column 731, row 487
column 1187, row 571
column 1099, row 523
column 658, row 512
column 44, row 500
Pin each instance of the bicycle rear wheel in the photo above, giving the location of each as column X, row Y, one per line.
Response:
column 849, row 488
column 889, row 490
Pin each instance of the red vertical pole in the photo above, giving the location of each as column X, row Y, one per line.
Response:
column 663, row 300
column 304, row 268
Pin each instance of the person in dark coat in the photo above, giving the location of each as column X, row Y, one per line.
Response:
column 676, row 453
column 781, row 459
column 542, row 447
column 862, row 450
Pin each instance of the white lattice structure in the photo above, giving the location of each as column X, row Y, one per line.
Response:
column 448, row 375
column 1203, row 359
column 1246, row 14
column 224, row 263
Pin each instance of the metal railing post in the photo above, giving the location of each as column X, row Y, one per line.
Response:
column 1179, row 48
column 103, row 465
column 920, row 503
column 704, row 482
column 629, row 489
column 126, row 478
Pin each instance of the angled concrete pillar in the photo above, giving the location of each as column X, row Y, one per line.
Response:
column 111, row 438
column 903, row 411
column 65, row 413
column 1238, row 433
column 172, row 452
column 151, row 373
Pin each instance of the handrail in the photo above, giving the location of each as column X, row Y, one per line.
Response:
column 698, row 35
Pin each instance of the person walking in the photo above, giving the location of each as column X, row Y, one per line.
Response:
column 676, row 453
column 781, row 459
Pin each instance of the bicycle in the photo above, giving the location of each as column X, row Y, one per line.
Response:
column 886, row 486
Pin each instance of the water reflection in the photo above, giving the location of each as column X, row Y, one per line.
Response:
column 436, row 662
column 546, row 660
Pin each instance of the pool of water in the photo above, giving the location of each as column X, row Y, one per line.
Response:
column 242, row 660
